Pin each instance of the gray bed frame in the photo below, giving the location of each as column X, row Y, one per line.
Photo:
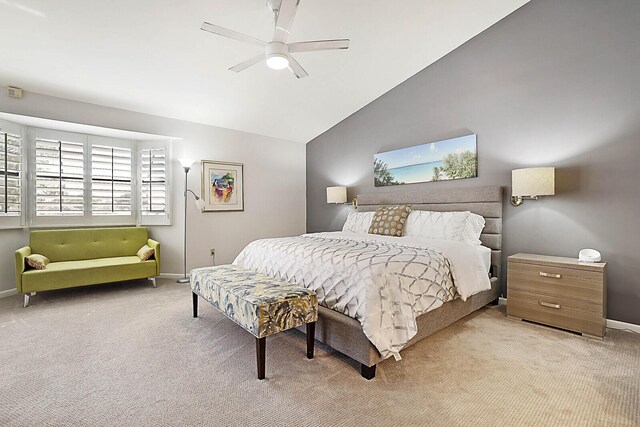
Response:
column 345, row 334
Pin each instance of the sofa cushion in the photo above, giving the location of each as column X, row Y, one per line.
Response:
column 88, row 243
column 145, row 253
column 37, row 261
column 67, row 274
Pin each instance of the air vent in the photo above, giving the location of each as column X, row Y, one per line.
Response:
column 14, row 92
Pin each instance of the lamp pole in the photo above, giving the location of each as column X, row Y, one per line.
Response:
column 186, row 164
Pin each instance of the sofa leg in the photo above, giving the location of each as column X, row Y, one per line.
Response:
column 153, row 281
column 26, row 298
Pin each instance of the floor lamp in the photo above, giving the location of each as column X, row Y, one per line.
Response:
column 186, row 165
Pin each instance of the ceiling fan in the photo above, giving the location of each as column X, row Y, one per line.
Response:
column 277, row 52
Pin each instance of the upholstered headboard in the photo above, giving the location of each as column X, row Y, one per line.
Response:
column 485, row 201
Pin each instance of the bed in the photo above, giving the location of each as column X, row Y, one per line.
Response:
column 381, row 294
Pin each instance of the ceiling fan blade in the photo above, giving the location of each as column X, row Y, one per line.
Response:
column 319, row 45
column 284, row 20
column 246, row 64
column 231, row 34
column 296, row 68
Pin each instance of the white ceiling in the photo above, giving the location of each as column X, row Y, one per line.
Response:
column 151, row 56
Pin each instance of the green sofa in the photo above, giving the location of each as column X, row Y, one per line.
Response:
column 87, row 256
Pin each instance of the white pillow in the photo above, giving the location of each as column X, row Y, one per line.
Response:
column 473, row 228
column 358, row 222
column 436, row 225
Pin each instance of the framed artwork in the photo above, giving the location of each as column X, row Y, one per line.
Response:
column 454, row 158
column 222, row 186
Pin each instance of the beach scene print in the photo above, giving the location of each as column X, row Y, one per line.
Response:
column 455, row 158
column 222, row 183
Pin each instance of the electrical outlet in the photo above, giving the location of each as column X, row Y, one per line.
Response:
column 213, row 252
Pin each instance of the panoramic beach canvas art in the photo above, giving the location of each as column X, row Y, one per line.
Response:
column 454, row 158
column 222, row 186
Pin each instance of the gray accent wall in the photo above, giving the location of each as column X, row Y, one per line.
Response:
column 556, row 83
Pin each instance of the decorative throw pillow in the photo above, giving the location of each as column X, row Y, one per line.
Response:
column 145, row 253
column 358, row 222
column 436, row 225
column 472, row 229
column 39, row 262
column 389, row 220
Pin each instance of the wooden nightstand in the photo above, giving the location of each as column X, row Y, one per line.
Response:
column 560, row 292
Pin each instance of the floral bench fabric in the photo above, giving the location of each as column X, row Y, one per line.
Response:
column 260, row 304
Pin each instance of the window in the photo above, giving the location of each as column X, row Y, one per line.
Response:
column 110, row 181
column 77, row 179
column 59, row 188
column 154, row 200
column 10, row 174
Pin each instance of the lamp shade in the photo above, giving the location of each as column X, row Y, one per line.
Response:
column 532, row 182
column 336, row 194
column 186, row 163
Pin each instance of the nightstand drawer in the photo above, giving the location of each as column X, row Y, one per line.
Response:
column 556, row 311
column 585, row 286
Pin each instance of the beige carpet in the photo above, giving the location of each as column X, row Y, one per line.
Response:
column 128, row 354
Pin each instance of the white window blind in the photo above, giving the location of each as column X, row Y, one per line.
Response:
column 153, row 185
column 59, row 170
column 10, row 174
column 111, row 192
column 50, row 177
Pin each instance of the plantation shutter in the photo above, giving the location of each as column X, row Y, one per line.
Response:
column 111, row 192
column 10, row 174
column 59, row 169
column 153, row 174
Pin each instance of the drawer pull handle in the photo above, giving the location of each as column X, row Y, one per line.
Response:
column 553, row 276
column 548, row 304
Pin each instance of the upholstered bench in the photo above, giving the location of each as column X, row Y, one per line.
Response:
column 260, row 304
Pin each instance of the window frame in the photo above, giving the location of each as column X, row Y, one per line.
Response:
column 154, row 219
column 17, row 221
column 88, row 219
column 113, row 219
column 28, row 215
column 55, row 220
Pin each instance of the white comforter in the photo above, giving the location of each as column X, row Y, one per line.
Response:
column 384, row 282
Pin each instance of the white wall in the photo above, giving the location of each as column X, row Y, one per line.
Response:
column 274, row 183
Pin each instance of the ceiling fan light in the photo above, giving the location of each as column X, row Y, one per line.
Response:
column 277, row 61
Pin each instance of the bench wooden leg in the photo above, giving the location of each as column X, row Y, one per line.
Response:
column 195, row 304
column 261, row 344
column 311, row 333
column 367, row 372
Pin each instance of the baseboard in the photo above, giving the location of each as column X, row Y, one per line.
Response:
column 611, row 324
column 616, row 324
column 170, row 275
column 8, row 293
column 11, row 292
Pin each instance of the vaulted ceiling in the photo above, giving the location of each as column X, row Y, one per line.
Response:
column 151, row 56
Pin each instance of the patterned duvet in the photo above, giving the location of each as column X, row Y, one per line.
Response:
column 383, row 285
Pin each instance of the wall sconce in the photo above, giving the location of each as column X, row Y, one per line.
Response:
column 531, row 183
column 337, row 195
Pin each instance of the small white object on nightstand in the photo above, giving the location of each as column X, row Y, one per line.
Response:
column 589, row 255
